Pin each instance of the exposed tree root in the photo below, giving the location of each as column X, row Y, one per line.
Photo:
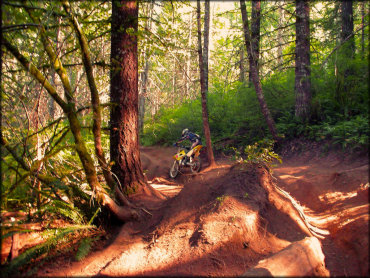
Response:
column 301, row 258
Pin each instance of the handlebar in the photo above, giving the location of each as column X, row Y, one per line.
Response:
column 181, row 146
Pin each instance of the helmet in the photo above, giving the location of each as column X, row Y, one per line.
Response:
column 185, row 131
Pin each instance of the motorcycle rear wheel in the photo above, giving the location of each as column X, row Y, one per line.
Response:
column 174, row 169
column 196, row 165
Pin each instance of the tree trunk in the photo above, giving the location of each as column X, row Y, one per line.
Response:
column 280, row 39
column 363, row 30
column 345, row 54
column 188, row 61
column 124, row 214
column 203, row 64
column 51, row 102
column 39, row 156
column 241, row 65
column 302, row 66
column 95, row 101
column 254, row 73
column 144, row 74
column 347, row 28
column 255, row 33
column 124, row 139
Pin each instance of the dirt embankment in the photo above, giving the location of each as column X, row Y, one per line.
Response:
column 220, row 223
column 333, row 189
column 226, row 220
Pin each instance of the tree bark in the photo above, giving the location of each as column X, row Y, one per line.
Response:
column 302, row 66
column 144, row 74
column 345, row 54
column 347, row 28
column 51, row 102
column 124, row 139
column 255, row 35
column 188, row 61
column 241, row 65
column 86, row 58
column 203, row 64
column 124, row 214
column 280, row 39
column 254, row 73
column 363, row 30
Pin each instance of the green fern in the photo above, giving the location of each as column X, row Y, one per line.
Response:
column 84, row 248
column 65, row 209
column 38, row 250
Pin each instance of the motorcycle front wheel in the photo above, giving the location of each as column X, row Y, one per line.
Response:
column 195, row 165
column 174, row 169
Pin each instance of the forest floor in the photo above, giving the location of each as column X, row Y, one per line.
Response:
column 221, row 221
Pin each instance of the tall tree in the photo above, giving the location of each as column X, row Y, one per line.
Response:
column 347, row 27
column 144, row 74
column 255, row 34
column 254, row 73
column 302, row 61
column 241, row 65
column 345, row 54
column 280, row 34
column 124, row 139
column 363, row 30
column 69, row 109
column 203, row 64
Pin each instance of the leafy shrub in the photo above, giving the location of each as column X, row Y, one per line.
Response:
column 259, row 152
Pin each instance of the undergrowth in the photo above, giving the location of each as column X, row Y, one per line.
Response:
column 260, row 152
column 338, row 113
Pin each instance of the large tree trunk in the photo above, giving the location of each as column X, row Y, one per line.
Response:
column 203, row 64
column 254, row 73
column 255, row 33
column 345, row 54
column 69, row 109
column 347, row 28
column 124, row 139
column 302, row 62
column 95, row 101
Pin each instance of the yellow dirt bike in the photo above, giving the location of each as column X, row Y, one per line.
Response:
column 182, row 160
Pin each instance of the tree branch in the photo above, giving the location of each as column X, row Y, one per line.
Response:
column 340, row 44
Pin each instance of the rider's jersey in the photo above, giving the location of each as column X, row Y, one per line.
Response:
column 192, row 137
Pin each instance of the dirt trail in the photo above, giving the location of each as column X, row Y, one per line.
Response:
column 221, row 222
column 334, row 192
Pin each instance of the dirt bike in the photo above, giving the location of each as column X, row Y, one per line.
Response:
column 182, row 160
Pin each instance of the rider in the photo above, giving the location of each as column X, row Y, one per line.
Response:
column 193, row 138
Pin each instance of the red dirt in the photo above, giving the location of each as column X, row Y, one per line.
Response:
column 222, row 221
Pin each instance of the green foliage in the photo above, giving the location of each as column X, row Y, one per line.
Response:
column 170, row 122
column 54, row 237
column 220, row 200
column 354, row 132
column 259, row 152
column 232, row 115
column 84, row 248
column 64, row 209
